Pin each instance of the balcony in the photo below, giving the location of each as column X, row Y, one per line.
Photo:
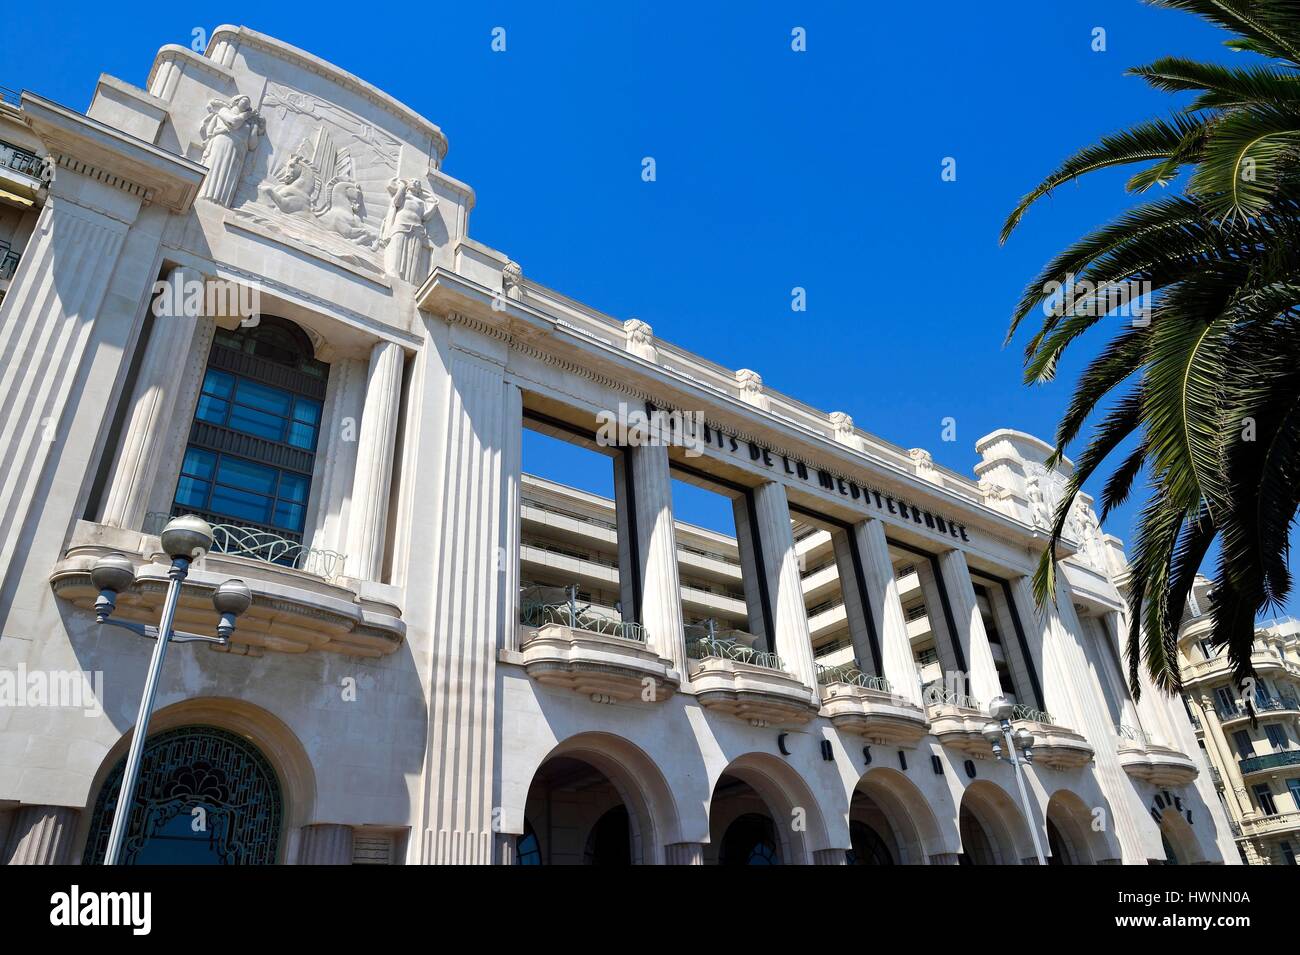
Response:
column 1270, row 825
column 1153, row 763
column 1237, row 712
column 579, row 648
column 295, row 608
column 23, row 175
column 1218, row 667
column 957, row 721
column 729, row 675
column 866, row 706
column 1055, row 746
column 1260, row 764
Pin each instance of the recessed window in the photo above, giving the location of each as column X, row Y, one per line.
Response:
column 253, row 442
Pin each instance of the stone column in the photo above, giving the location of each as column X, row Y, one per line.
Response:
column 368, row 513
column 656, row 548
column 945, row 858
column 41, row 835
column 684, row 853
column 325, row 844
column 506, row 854
column 855, row 609
column 970, row 635
column 154, row 401
column 891, row 626
column 829, row 857
column 1045, row 647
column 944, row 641
column 468, row 411
column 793, row 641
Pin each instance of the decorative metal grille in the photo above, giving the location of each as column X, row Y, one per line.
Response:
column 189, row 768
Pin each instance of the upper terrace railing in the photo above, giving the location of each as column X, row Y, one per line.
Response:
column 268, row 546
column 1254, row 764
column 21, row 160
column 849, row 674
column 1022, row 711
column 542, row 605
column 936, row 695
column 705, row 640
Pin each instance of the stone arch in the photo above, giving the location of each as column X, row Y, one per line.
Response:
column 266, row 731
column 915, row 831
column 1071, row 819
column 1002, row 822
column 783, row 791
column 1178, row 835
column 652, row 810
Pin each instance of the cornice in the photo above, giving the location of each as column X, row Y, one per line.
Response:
column 86, row 146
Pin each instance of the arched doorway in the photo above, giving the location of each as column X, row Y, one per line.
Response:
column 1178, row 840
column 1071, row 839
column 992, row 829
column 894, row 811
column 750, row 839
column 869, row 847
column 576, row 815
column 205, row 796
column 762, row 813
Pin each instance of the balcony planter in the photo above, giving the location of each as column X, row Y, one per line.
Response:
column 602, row 666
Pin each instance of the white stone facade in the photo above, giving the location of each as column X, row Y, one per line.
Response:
column 383, row 672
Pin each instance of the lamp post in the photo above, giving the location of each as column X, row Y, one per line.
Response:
column 184, row 540
column 995, row 732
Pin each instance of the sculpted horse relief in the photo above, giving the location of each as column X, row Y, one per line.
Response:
column 316, row 184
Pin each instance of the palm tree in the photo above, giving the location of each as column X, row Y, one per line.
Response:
column 1208, row 386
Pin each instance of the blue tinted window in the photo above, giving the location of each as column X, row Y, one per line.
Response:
column 259, row 423
column 192, row 493
column 218, row 383
column 238, row 473
column 198, row 462
column 263, row 397
column 241, row 504
column 302, row 436
column 293, row 487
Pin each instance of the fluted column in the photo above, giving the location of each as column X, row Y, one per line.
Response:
column 945, row 858
column 684, row 853
column 368, row 512
column 793, row 641
column 1045, row 647
column 970, row 635
column 891, row 626
column 661, row 598
column 456, row 596
column 154, row 401
column 859, row 620
column 41, row 835
column 325, row 844
column 829, row 857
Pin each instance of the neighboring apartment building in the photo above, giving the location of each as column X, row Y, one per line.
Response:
column 448, row 659
column 1253, row 752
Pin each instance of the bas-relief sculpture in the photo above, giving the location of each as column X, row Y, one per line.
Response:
column 229, row 132
column 340, row 179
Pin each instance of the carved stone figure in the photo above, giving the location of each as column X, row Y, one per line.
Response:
column 1039, row 511
column 405, row 236
column 295, row 183
column 346, row 214
column 229, row 132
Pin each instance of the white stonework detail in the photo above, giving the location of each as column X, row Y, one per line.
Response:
column 368, row 514
column 751, row 388
column 229, row 132
column 640, row 339
column 923, row 464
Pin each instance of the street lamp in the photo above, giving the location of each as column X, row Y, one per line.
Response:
column 184, row 540
column 1000, row 730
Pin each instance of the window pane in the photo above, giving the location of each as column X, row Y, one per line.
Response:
column 218, row 383
column 237, row 473
column 293, row 487
column 302, row 436
column 263, row 397
column 257, row 423
column 289, row 516
column 241, row 504
column 198, row 463
column 192, row 493
column 211, row 410
column 304, row 409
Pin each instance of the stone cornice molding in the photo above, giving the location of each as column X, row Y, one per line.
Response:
column 93, row 149
column 532, row 333
column 240, row 36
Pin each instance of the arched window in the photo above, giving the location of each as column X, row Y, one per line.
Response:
column 749, row 840
column 253, row 441
column 205, row 797
column 868, row 847
column 610, row 840
column 528, row 851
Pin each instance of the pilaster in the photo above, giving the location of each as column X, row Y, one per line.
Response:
column 970, row 635
column 368, row 514
column 793, row 641
column 891, row 626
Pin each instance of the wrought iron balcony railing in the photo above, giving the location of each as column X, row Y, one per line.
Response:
column 936, row 695
column 1254, row 764
column 722, row 647
column 9, row 260
column 1022, row 711
column 1124, row 731
column 21, row 160
column 540, row 605
column 257, row 543
column 849, row 674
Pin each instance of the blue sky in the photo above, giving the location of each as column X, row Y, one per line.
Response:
column 775, row 169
